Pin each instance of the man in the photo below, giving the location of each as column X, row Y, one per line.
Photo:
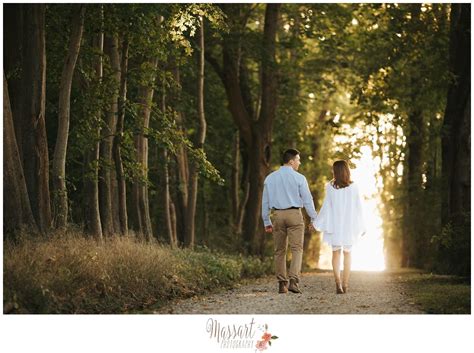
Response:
column 285, row 192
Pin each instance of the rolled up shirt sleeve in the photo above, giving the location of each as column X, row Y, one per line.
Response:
column 307, row 198
column 266, row 207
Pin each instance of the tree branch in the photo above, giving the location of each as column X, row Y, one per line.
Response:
column 215, row 65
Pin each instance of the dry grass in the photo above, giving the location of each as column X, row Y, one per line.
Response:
column 72, row 274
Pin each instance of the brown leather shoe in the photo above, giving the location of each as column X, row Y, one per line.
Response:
column 282, row 287
column 339, row 289
column 294, row 286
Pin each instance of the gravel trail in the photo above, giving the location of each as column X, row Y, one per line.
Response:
column 369, row 293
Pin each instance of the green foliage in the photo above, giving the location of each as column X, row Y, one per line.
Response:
column 354, row 73
column 186, row 19
column 211, row 269
column 454, row 247
column 168, row 135
column 254, row 267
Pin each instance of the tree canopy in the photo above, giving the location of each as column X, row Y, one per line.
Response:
column 161, row 121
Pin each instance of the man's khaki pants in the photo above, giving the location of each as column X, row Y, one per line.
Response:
column 288, row 227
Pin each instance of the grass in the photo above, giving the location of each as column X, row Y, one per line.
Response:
column 73, row 274
column 439, row 294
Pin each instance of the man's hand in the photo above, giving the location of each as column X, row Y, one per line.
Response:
column 268, row 229
column 310, row 227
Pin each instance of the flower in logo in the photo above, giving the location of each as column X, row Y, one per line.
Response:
column 266, row 339
column 261, row 345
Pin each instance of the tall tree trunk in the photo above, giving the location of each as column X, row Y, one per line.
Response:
column 182, row 169
column 173, row 222
column 170, row 227
column 189, row 238
column 13, row 54
column 411, row 233
column 205, row 214
column 170, row 218
column 312, row 245
column 235, row 184
column 141, row 207
column 456, row 125
column 115, row 198
column 60, row 150
column 243, row 202
column 16, row 203
column 93, row 224
column 262, row 130
column 25, row 59
column 105, row 178
column 258, row 169
column 255, row 133
column 239, row 181
column 117, row 153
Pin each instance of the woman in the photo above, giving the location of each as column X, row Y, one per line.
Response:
column 341, row 220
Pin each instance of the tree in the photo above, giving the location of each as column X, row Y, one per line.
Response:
column 456, row 123
column 93, row 225
column 27, row 66
column 141, row 206
column 60, row 150
column 255, row 130
column 16, row 202
column 238, row 182
column 189, row 238
column 169, row 209
column 107, row 182
column 116, row 148
column 454, row 240
column 181, row 158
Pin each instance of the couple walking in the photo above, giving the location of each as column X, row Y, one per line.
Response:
column 340, row 219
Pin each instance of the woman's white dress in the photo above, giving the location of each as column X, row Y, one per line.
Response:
column 341, row 217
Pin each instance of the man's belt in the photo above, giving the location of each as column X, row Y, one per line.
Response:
column 284, row 209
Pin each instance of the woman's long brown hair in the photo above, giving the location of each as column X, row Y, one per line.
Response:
column 342, row 174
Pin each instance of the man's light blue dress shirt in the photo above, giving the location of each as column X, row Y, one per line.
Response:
column 286, row 188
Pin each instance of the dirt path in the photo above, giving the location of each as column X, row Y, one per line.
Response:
column 369, row 293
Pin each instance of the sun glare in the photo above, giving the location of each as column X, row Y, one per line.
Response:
column 367, row 254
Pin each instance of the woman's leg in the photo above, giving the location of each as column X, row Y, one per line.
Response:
column 336, row 264
column 347, row 269
column 336, row 267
